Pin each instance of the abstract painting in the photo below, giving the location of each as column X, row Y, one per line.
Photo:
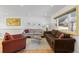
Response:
column 13, row 21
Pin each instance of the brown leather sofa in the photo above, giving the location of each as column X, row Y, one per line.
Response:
column 13, row 43
column 60, row 43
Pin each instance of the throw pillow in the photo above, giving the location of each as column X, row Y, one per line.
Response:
column 61, row 36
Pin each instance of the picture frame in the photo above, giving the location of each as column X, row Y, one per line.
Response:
column 13, row 21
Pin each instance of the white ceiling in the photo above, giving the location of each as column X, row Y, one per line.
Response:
column 29, row 10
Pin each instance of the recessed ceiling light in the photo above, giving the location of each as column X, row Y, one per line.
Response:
column 51, row 5
column 22, row 5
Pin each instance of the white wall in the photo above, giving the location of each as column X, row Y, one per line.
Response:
column 52, row 24
column 34, row 24
column 28, row 14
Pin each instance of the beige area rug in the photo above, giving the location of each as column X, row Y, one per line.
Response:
column 36, row 46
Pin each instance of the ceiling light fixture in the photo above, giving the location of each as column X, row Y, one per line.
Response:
column 21, row 5
column 51, row 5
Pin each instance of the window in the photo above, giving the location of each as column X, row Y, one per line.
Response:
column 73, row 21
column 67, row 22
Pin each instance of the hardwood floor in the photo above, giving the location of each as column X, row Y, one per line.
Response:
column 49, row 50
column 0, row 46
column 36, row 51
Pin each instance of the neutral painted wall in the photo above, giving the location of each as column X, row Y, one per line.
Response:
column 52, row 24
column 77, row 37
column 76, row 49
column 29, row 19
column 34, row 23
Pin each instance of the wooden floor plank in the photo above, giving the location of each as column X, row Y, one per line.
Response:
column 35, row 51
column 0, row 45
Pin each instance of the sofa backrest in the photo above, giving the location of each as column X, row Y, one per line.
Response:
column 54, row 32
column 7, row 36
column 33, row 31
column 17, row 36
column 57, row 33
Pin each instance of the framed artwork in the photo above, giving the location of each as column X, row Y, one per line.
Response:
column 63, row 21
column 13, row 21
column 68, row 22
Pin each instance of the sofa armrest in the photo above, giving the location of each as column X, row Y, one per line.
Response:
column 64, row 45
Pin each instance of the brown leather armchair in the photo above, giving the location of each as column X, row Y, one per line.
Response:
column 13, row 43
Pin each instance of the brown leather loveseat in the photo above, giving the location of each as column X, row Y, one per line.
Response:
column 13, row 43
column 59, row 41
